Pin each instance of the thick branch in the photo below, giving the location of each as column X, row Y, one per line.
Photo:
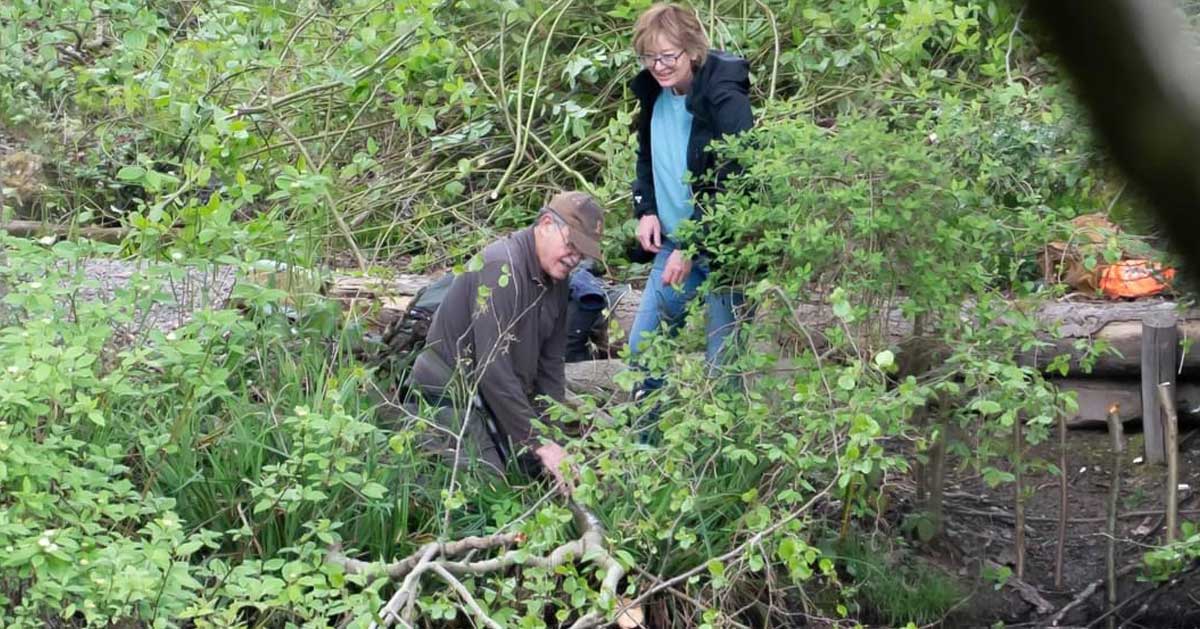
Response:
column 589, row 547
column 400, row 569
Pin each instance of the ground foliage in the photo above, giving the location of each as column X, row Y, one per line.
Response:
column 911, row 158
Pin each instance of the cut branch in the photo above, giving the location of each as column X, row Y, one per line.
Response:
column 437, row 557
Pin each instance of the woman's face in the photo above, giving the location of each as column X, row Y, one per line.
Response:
column 668, row 63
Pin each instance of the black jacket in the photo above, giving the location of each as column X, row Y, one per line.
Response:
column 719, row 102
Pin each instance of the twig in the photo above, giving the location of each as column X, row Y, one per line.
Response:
column 466, row 597
column 775, row 60
column 317, row 136
column 501, row 105
column 391, row 611
column 253, row 533
column 735, row 553
column 684, row 597
column 1088, row 592
column 1155, row 592
column 1008, row 53
column 317, row 90
column 522, row 126
column 1027, row 592
column 584, row 184
column 337, row 216
column 1005, row 515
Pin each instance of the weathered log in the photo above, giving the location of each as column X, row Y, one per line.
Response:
column 1116, row 323
column 383, row 300
column 366, row 287
column 595, row 377
column 1119, row 324
column 1095, row 395
column 31, row 229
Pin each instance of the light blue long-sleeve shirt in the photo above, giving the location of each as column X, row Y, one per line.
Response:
column 670, row 130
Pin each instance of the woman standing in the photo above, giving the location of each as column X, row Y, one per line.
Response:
column 689, row 95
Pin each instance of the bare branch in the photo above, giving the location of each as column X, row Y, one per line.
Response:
column 590, row 548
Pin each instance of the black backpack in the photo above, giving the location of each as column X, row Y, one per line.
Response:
column 404, row 338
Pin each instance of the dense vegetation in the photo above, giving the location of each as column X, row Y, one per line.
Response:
column 912, row 156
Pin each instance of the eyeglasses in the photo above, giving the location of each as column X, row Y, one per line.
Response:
column 562, row 226
column 667, row 59
column 572, row 250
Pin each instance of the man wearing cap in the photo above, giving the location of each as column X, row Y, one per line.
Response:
column 497, row 341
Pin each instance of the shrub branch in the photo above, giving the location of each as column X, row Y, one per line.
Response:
column 438, row 557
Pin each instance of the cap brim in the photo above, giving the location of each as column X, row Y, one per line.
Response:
column 588, row 247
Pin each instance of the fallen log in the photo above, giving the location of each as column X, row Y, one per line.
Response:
column 36, row 229
column 383, row 300
column 1095, row 395
column 1117, row 323
column 380, row 301
column 595, row 377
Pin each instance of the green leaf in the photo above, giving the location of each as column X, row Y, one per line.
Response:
column 373, row 490
column 995, row 477
column 716, row 568
column 131, row 173
column 986, row 407
column 885, row 359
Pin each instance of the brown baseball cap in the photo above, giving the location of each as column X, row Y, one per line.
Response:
column 585, row 217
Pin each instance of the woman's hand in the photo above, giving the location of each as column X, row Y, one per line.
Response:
column 677, row 269
column 649, row 233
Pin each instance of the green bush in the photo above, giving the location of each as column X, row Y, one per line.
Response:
column 910, row 160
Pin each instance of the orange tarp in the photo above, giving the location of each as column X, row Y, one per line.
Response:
column 1124, row 279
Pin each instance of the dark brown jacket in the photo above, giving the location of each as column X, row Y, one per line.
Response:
column 507, row 334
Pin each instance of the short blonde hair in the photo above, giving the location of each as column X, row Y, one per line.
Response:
column 676, row 23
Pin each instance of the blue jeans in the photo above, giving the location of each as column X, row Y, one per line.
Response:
column 667, row 303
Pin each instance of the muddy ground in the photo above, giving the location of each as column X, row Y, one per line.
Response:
column 980, row 531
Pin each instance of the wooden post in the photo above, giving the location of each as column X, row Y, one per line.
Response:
column 1160, row 347
column 1019, row 491
column 1060, row 550
column 1114, row 495
column 1167, row 399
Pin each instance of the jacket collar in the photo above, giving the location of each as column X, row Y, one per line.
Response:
column 526, row 246
column 644, row 86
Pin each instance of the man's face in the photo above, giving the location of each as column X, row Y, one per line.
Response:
column 556, row 255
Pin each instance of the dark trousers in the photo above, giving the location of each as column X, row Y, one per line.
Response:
column 462, row 430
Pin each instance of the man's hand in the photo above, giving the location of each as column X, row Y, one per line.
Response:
column 552, row 456
column 677, row 269
column 649, row 233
